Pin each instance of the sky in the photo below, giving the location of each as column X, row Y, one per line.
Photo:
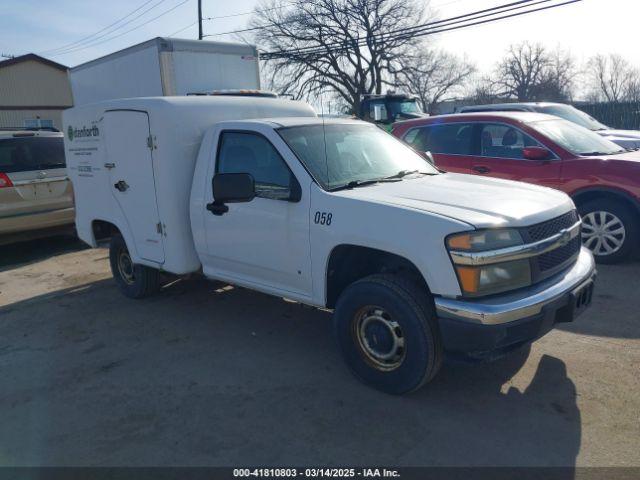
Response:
column 48, row 27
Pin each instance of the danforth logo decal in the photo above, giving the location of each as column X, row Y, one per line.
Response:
column 82, row 132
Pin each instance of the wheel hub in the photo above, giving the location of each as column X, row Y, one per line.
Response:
column 603, row 233
column 125, row 267
column 379, row 337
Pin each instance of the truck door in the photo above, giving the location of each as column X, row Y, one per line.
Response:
column 131, row 178
column 264, row 242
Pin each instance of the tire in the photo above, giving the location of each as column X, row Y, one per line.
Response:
column 134, row 280
column 369, row 311
column 602, row 212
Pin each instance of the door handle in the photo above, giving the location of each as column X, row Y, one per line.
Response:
column 121, row 186
column 481, row 169
column 109, row 165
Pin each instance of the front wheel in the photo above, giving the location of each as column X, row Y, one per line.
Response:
column 387, row 332
column 609, row 229
column 134, row 280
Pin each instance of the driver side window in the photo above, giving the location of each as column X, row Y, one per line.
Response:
column 504, row 141
column 246, row 152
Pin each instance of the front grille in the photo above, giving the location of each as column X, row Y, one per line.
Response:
column 551, row 227
column 554, row 258
column 552, row 262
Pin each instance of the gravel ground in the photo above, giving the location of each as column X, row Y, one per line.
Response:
column 204, row 374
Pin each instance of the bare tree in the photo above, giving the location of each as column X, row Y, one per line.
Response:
column 482, row 90
column 633, row 89
column 431, row 74
column 613, row 78
column 344, row 46
column 522, row 71
column 558, row 79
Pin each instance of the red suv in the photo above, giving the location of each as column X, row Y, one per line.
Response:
column 602, row 178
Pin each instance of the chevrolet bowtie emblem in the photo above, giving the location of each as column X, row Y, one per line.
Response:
column 565, row 237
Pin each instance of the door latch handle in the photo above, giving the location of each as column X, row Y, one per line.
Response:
column 109, row 165
column 480, row 169
column 121, row 186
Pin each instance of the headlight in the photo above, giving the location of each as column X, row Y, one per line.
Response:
column 495, row 277
column 482, row 240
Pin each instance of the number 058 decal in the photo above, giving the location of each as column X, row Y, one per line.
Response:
column 322, row 218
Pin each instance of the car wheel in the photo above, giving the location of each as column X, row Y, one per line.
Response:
column 387, row 332
column 134, row 280
column 609, row 230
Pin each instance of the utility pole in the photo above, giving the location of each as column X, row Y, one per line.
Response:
column 199, row 19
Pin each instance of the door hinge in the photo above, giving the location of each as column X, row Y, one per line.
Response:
column 151, row 143
column 159, row 228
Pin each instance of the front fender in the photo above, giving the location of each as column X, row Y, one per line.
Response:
column 415, row 235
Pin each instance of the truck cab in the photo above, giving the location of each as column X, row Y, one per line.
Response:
column 332, row 213
column 389, row 108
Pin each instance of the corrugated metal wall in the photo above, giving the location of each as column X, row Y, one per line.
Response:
column 32, row 83
column 28, row 87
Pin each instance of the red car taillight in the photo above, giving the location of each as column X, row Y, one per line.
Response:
column 5, row 181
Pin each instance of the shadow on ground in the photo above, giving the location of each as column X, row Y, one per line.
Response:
column 205, row 375
column 613, row 312
column 20, row 253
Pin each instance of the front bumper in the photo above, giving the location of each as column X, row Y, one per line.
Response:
column 489, row 327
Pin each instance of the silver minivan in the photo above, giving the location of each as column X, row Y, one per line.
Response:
column 36, row 197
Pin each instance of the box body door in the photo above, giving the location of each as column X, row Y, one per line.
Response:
column 131, row 178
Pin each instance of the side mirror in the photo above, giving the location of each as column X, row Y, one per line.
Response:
column 231, row 188
column 536, row 153
column 378, row 114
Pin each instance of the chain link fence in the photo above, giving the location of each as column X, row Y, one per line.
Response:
column 624, row 116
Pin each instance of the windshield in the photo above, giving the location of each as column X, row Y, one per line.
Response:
column 339, row 154
column 573, row 115
column 575, row 138
column 406, row 106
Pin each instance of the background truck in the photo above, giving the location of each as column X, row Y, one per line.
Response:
column 389, row 108
column 333, row 213
column 165, row 67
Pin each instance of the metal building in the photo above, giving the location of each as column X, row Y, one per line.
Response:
column 33, row 92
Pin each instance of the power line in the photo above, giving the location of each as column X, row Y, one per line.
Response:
column 456, row 19
column 123, row 33
column 242, row 14
column 234, row 31
column 251, row 29
column 91, row 37
column 249, row 13
column 182, row 29
column 440, row 26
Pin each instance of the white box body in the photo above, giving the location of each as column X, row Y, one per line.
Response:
column 108, row 142
column 166, row 67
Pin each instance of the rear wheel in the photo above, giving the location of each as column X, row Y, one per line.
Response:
column 134, row 280
column 609, row 230
column 386, row 329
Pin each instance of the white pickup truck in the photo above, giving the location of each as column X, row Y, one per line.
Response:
column 262, row 193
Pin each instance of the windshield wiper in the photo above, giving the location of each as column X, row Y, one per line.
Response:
column 361, row 183
column 391, row 178
column 404, row 173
